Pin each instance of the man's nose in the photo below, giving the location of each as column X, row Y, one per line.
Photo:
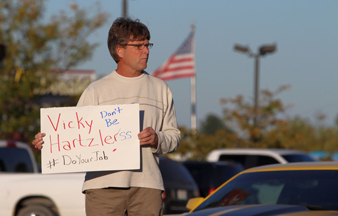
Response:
column 146, row 49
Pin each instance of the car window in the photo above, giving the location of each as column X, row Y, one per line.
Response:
column 173, row 171
column 249, row 161
column 234, row 158
column 266, row 160
column 15, row 160
column 313, row 189
column 202, row 173
column 268, row 192
column 298, row 158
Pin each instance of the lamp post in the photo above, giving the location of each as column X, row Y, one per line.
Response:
column 125, row 8
column 264, row 49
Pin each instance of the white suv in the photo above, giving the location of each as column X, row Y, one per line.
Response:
column 251, row 157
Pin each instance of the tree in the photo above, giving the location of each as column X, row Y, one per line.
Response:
column 211, row 124
column 197, row 146
column 301, row 134
column 238, row 130
column 273, row 129
column 240, row 116
column 33, row 48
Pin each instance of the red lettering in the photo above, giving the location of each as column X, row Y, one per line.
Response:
column 90, row 144
column 79, row 121
column 90, row 125
column 80, row 141
column 67, row 145
column 70, row 125
column 57, row 124
column 107, row 138
column 51, row 144
column 101, row 138
column 115, row 136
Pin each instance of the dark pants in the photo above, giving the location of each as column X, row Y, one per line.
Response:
column 116, row 201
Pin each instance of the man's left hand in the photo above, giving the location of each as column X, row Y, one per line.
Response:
column 148, row 136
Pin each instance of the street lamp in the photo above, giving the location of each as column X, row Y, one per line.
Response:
column 2, row 53
column 125, row 8
column 264, row 49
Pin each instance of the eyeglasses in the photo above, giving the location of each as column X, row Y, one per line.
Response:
column 140, row 46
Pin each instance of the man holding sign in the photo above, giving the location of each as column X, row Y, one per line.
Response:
column 137, row 192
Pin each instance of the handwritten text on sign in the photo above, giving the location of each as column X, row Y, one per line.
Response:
column 90, row 138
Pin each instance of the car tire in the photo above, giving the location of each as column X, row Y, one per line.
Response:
column 36, row 210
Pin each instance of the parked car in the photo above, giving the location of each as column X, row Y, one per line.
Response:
column 25, row 191
column 16, row 157
column 179, row 186
column 210, row 175
column 307, row 188
column 252, row 157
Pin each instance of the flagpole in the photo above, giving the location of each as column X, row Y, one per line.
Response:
column 181, row 64
column 193, row 92
column 193, row 104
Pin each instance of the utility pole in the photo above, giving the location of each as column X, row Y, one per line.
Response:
column 2, row 53
column 125, row 8
column 262, row 51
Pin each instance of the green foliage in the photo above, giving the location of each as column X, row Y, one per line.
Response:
column 197, row 146
column 212, row 124
column 300, row 134
column 272, row 129
column 242, row 114
column 34, row 47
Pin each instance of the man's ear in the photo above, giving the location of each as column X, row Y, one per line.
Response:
column 119, row 51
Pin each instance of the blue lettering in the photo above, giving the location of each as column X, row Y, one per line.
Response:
column 110, row 123
column 102, row 114
column 122, row 135
column 119, row 110
column 127, row 134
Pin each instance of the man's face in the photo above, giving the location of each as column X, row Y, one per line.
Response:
column 132, row 57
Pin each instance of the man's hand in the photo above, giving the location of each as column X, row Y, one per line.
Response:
column 38, row 140
column 148, row 137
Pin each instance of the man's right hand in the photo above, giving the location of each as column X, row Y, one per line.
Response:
column 37, row 143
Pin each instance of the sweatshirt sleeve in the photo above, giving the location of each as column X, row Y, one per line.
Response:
column 88, row 97
column 170, row 136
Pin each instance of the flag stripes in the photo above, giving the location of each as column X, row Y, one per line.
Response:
column 181, row 64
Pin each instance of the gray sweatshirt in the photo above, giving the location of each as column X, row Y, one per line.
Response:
column 156, row 110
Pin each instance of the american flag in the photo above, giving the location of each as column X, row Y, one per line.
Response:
column 181, row 64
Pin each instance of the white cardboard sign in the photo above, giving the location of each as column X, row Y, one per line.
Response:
column 90, row 138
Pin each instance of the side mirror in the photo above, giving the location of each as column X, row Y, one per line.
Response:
column 194, row 202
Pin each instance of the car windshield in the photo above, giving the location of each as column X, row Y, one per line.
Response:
column 226, row 172
column 209, row 174
column 15, row 160
column 315, row 189
column 298, row 158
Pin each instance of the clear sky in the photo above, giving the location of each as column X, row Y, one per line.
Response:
column 305, row 31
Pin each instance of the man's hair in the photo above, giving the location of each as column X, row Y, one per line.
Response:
column 124, row 30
